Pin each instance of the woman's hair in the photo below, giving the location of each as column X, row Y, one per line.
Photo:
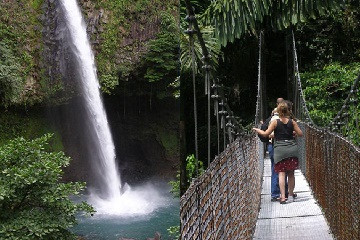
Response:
column 290, row 105
column 283, row 109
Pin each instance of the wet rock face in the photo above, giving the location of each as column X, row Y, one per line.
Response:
column 141, row 152
column 139, row 29
column 56, row 56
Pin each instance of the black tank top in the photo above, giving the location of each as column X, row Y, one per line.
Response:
column 284, row 131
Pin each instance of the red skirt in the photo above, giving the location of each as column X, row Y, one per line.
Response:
column 287, row 164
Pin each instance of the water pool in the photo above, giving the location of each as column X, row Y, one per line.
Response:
column 137, row 226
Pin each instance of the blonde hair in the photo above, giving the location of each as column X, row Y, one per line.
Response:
column 283, row 110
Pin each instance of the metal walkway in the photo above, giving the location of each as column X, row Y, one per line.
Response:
column 299, row 220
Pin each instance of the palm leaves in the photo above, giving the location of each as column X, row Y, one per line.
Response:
column 211, row 43
column 233, row 18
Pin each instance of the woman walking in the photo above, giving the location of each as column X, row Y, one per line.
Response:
column 285, row 148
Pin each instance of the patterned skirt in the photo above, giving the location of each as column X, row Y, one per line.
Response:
column 287, row 164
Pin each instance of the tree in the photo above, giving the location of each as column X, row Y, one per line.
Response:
column 33, row 203
column 325, row 92
column 233, row 18
column 161, row 61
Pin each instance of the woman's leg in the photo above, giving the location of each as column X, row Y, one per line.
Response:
column 291, row 182
column 282, row 185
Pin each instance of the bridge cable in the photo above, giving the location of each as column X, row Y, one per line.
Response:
column 299, row 99
column 190, row 31
column 208, row 92
column 216, row 114
column 259, row 98
column 223, row 122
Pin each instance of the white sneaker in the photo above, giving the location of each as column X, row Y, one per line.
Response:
column 290, row 199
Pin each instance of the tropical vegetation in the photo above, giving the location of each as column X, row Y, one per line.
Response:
column 327, row 40
column 34, row 204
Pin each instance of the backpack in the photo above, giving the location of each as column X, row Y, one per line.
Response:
column 264, row 127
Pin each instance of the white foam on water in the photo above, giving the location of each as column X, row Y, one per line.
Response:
column 133, row 202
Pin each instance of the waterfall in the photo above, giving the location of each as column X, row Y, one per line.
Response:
column 108, row 198
column 106, row 170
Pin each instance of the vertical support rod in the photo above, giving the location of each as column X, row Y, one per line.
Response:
column 191, row 42
column 209, row 114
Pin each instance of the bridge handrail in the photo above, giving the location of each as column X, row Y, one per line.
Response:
column 332, row 168
column 223, row 202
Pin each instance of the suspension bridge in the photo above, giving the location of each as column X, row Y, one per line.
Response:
column 231, row 200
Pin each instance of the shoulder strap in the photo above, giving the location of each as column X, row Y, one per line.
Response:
column 290, row 121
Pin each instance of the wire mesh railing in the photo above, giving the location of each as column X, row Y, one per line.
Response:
column 223, row 203
column 331, row 163
column 333, row 171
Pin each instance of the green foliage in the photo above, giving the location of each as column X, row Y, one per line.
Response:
column 119, row 16
column 211, row 43
column 176, row 86
column 28, row 125
column 175, row 186
column 169, row 140
column 19, row 51
column 325, row 90
column 36, row 4
column 233, row 18
column 333, row 38
column 11, row 82
column 174, row 232
column 190, row 174
column 350, row 118
column 108, row 81
column 111, row 40
column 199, row 7
column 33, row 203
column 162, row 60
column 191, row 167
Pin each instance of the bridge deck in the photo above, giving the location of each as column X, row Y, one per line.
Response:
column 299, row 220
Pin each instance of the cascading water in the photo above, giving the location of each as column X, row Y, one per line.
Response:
column 121, row 211
column 110, row 199
column 105, row 151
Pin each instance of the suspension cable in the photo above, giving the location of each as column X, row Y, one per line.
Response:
column 191, row 31
column 301, row 103
column 208, row 92
column 259, row 96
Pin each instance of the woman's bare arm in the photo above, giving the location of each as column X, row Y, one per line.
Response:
column 297, row 130
column 268, row 131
